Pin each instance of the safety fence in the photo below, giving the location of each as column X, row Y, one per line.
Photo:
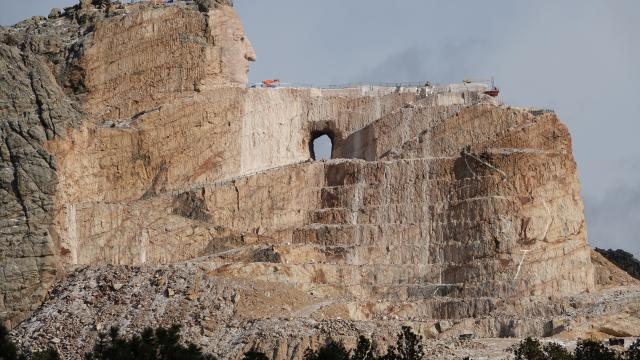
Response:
column 363, row 84
column 168, row 2
column 353, row 85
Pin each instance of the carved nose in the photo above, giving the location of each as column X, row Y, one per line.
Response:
column 251, row 53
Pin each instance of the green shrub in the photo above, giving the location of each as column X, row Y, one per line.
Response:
column 529, row 349
column 161, row 344
column 633, row 353
column 255, row 354
column 330, row 351
column 364, row 350
column 8, row 350
column 408, row 346
column 553, row 351
column 50, row 354
column 594, row 350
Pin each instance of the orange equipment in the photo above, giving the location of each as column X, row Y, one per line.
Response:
column 493, row 89
column 270, row 83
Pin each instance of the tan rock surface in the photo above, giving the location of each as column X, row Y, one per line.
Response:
column 442, row 208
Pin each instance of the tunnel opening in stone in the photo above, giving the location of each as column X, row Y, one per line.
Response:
column 321, row 146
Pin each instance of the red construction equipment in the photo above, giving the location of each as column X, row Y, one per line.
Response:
column 493, row 92
column 271, row 83
column 493, row 89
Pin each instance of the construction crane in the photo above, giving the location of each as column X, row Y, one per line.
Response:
column 493, row 89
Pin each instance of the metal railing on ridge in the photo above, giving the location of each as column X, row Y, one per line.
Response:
column 352, row 85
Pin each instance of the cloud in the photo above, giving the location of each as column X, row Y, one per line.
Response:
column 614, row 220
column 406, row 66
column 443, row 62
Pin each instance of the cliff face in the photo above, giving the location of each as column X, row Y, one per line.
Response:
column 69, row 74
column 36, row 58
column 130, row 139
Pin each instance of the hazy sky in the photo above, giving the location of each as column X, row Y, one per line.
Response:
column 580, row 58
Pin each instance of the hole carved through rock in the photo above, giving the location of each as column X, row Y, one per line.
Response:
column 321, row 147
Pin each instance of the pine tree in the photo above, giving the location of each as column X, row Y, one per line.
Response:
column 633, row 353
column 330, row 351
column 255, row 354
column 161, row 344
column 8, row 350
column 553, row 351
column 594, row 350
column 49, row 354
column 364, row 350
column 408, row 346
column 529, row 349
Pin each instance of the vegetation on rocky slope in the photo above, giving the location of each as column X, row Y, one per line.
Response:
column 8, row 350
column 164, row 344
column 623, row 260
column 532, row 349
column 408, row 347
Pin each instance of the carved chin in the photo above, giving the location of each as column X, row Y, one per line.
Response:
column 239, row 77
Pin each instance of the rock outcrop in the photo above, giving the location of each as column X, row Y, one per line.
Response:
column 136, row 161
column 36, row 59
column 67, row 75
column 623, row 260
column 228, row 316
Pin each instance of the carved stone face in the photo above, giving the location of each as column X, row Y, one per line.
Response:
column 235, row 48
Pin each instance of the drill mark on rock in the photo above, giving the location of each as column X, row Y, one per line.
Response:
column 235, row 187
column 467, row 152
column 469, row 167
column 546, row 231
column 139, row 154
column 524, row 255
column 356, row 202
column 143, row 244
column 72, row 233
column 158, row 183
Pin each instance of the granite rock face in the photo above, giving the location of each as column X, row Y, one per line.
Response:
column 34, row 108
column 136, row 159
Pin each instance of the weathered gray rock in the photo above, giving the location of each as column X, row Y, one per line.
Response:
column 55, row 13
column 34, row 108
column 206, row 5
column 623, row 260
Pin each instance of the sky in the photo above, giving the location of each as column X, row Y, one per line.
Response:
column 580, row 58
